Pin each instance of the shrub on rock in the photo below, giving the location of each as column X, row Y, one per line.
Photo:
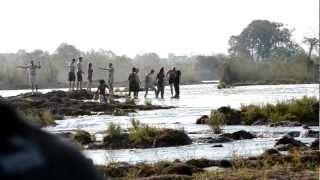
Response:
column 82, row 137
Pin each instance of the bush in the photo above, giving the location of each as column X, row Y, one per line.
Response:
column 114, row 130
column 142, row 133
column 216, row 121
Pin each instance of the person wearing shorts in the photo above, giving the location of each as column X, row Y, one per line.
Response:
column 72, row 75
column 111, row 77
column 79, row 74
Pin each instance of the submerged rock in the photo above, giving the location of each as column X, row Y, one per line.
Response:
column 180, row 168
column 239, row 135
column 286, row 124
column 287, row 142
column 315, row 145
column 294, row 133
column 261, row 122
column 203, row 119
column 312, row 134
column 170, row 137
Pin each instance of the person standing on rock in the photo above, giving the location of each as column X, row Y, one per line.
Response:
column 171, row 76
column 160, row 83
column 176, row 83
column 111, row 77
column 89, row 77
column 72, row 75
column 149, row 83
column 32, row 74
column 79, row 74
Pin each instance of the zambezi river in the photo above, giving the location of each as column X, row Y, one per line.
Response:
column 195, row 101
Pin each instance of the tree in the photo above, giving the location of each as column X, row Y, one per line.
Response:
column 312, row 42
column 262, row 38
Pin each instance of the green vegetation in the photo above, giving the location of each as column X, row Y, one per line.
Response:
column 216, row 121
column 141, row 135
column 42, row 119
column 119, row 112
column 304, row 110
column 114, row 130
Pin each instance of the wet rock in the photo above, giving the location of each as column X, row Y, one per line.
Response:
column 80, row 95
column 286, row 124
column 312, row 134
column 232, row 117
column 203, row 119
column 271, row 152
column 82, row 137
column 239, row 135
column 287, row 142
column 261, row 122
column 315, row 145
column 170, row 137
column 217, row 145
column 95, row 145
column 168, row 177
column 294, row 133
column 180, row 168
column 117, row 142
column 220, row 139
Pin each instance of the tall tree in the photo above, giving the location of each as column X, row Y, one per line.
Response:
column 261, row 38
column 312, row 42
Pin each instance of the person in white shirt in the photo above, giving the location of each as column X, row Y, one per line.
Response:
column 111, row 77
column 32, row 74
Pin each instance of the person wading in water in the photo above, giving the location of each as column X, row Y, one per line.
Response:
column 32, row 74
column 149, row 83
column 171, row 76
column 160, row 83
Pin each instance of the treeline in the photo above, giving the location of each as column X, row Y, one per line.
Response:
column 54, row 66
column 265, row 53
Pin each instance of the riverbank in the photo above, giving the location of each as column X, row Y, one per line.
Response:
column 296, row 164
column 222, row 85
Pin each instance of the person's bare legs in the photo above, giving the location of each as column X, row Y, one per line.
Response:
column 171, row 89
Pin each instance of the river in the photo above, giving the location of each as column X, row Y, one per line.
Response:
column 196, row 100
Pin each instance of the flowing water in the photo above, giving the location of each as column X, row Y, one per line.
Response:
column 196, row 100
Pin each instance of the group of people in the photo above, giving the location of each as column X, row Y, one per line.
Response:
column 153, row 82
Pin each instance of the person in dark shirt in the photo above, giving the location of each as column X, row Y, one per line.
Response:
column 27, row 152
column 101, row 92
column 160, row 83
column 176, row 83
column 171, row 76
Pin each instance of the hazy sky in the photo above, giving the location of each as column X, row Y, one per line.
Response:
column 137, row 26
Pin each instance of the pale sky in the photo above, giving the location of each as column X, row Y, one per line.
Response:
column 133, row 27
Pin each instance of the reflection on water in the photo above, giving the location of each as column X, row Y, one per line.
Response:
column 196, row 100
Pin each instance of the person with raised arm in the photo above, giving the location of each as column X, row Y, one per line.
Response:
column 32, row 74
column 111, row 77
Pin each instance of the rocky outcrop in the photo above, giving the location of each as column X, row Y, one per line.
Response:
column 287, row 142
